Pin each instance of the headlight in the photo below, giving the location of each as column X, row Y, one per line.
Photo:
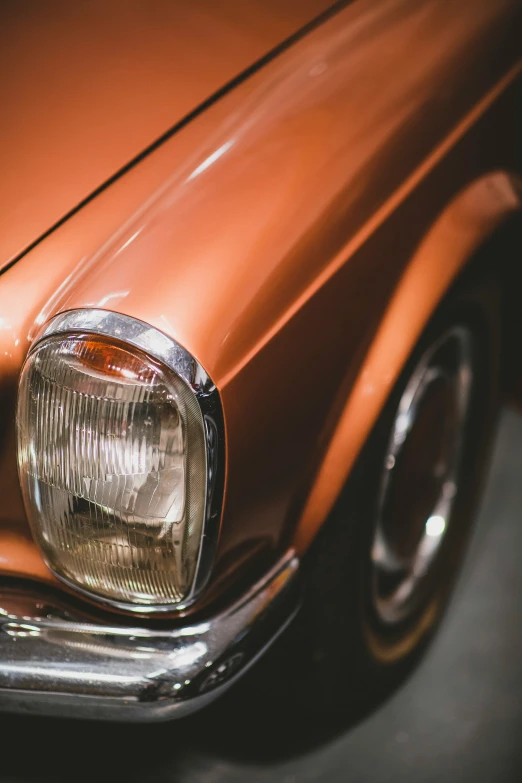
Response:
column 118, row 438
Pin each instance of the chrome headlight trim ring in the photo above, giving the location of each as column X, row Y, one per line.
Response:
column 150, row 340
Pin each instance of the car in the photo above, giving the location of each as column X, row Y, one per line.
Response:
column 259, row 302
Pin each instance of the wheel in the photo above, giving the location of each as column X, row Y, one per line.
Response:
column 381, row 571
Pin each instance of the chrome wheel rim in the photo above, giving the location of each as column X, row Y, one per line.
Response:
column 420, row 476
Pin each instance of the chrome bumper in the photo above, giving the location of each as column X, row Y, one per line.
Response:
column 54, row 663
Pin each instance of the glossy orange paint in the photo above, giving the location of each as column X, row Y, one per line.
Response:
column 465, row 225
column 295, row 237
column 85, row 89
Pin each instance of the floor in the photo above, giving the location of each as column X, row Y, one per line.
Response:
column 457, row 718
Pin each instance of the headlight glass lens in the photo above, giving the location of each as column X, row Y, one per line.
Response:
column 111, row 451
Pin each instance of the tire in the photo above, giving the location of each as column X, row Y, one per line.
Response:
column 346, row 652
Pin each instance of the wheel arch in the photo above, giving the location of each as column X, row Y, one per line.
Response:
column 479, row 217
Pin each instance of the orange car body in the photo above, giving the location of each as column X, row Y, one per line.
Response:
column 286, row 189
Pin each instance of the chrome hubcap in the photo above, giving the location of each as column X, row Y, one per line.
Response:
column 419, row 481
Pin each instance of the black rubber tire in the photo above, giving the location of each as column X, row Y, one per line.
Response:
column 342, row 659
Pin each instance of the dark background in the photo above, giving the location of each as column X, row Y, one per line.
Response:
column 457, row 718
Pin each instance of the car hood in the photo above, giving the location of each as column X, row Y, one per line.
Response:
column 87, row 87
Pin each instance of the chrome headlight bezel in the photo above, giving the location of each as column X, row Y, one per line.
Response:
column 133, row 333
